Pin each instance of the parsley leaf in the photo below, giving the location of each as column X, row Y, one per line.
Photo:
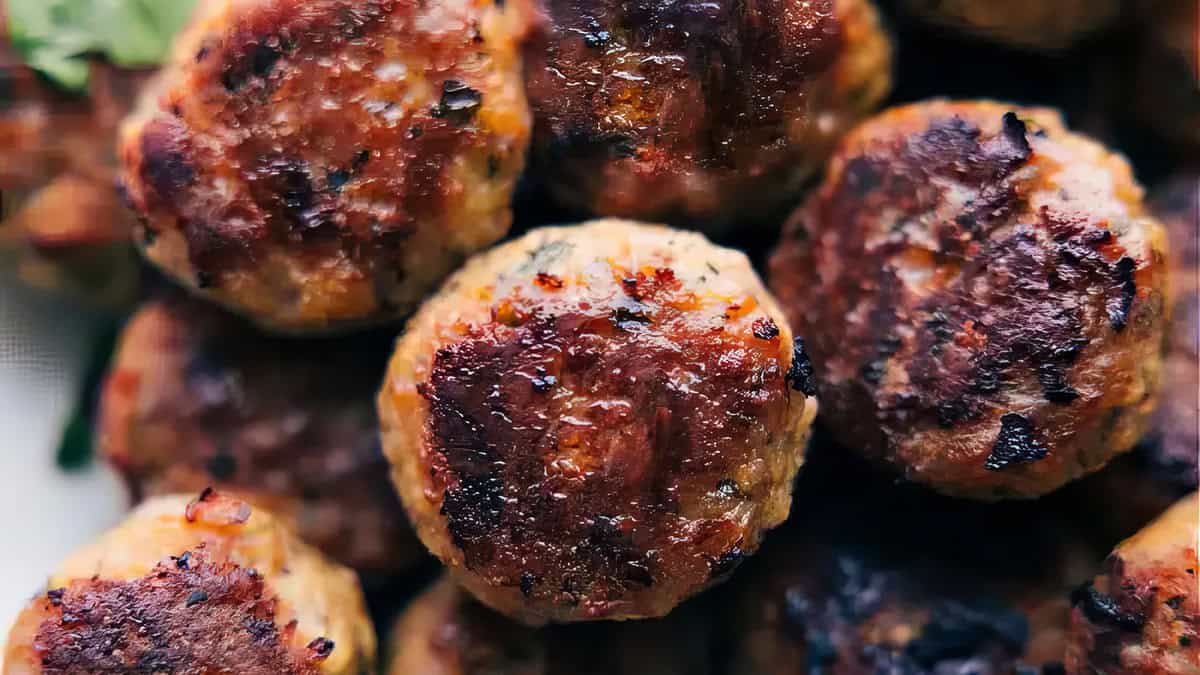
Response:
column 55, row 37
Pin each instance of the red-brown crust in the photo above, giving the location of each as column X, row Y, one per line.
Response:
column 196, row 397
column 675, row 110
column 984, row 298
column 598, row 439
column 1141, row 615
column 191, row 615
column 334, row 139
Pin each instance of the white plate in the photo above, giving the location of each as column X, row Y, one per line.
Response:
column 46, row 512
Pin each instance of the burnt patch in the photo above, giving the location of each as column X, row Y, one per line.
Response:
column 459, row 103
column 765, row 329
column 1016, row 444
column 800, row 376
column 1103, row 609
column 725, row 564
column 1120, row 306
column 960, row 630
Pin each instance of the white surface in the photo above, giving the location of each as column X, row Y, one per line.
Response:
column 44, row 512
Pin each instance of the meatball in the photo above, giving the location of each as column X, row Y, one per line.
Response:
column 321, row 164
column 62, row 228
column 196, row 397
column 883, row 580
column 984, row 295
column 1027, row 24
column 595, row 422
column 446, row 632
column 190, row 587
column 1142, row 613
column 679, row 110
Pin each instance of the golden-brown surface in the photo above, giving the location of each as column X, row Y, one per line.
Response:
column 1030, row 24
column 196, row 397
column 597, row 421
column 447, row 632
column 698, row 111
column 195, row 585
column 984, row 298
column 1141, row 615
column 317, row 164
column 62, row 228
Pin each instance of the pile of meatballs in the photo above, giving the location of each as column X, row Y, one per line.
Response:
column 954, row 432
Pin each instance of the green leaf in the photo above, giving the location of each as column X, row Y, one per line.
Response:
column 75, row 446
column 56, row 37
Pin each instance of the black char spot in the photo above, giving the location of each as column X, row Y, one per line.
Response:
column 1015, row 444
column 1120, row 306
column 1103, row 609
column 726, row 563
column 459, row 103
column 959, row 630
column 1054, row 383
column 801, row 376
column 765, row 329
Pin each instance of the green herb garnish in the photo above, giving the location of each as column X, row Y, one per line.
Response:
column 55, row 37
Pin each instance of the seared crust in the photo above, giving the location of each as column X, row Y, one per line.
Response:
column 196, row 397
column 447, row 632
column 322, row 163
column 1142, row 614
column 1029, row 24
column 681, row 110
column 984, row 295
column 199, row 586
column 595, row 421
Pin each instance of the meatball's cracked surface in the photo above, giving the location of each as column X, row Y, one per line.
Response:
column 597, row 421
column 984, row 296
column 1030, row 24
column 195, row 585
column 318, row 164
column 1141, row 615
column 196, row 397
column 698, row 111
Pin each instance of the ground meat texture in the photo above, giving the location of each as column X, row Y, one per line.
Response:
column 1141, row 615
column 195, row 585
column 1025, row 24
column 447, row 632
column 682, row 110
column 321, row 164
column 62, row 228
column 983, row 296
column 584, row 425
column 196, row 397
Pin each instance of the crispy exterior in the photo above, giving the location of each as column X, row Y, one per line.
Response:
column 196, row 397
column 682, row 110
column 1029, row 24
column 314, row 164
column 446, row 632
column 984, row 297
column 1142, row 613
column 195, row 586
column 596, row 421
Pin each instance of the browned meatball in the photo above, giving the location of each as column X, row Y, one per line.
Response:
column 200, row 586
column 871, row 579
column 984, row 296
column 323, row 163
column 1142, row 613
column 447, row 632
column 1030, row 24
column 709, row 111
column 196, row 397
column 595, row 422
column 62, row 227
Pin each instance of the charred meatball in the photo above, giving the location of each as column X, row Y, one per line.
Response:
column 447, row 632
column 984, row 295
column 698, row 111
column 196, row 397
column 62, row 228
column 1028, row 24
column 203, row 586
column 1142, row 614
column 595, row 422
column 318, row 164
